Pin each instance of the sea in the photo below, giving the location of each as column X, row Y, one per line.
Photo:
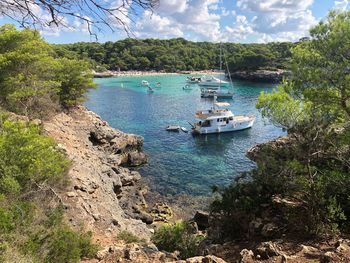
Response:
column 179, row 162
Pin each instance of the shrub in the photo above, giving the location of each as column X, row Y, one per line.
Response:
column 129, row 237
column 178, row 237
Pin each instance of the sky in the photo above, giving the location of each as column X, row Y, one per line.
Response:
column 240, row 21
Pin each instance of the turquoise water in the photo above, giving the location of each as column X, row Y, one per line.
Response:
column 179, row 162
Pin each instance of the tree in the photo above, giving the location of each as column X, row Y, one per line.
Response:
column 27, row 71
column 95, row 14
column 314, row 107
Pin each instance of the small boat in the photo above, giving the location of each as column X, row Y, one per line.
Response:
column 210, row 93
column 187, row 87
column 144, row 83
column 175, row 128
column 218, row 120
column 193, row 80
column 211, row 81
column 158, row 84
column 184, row 129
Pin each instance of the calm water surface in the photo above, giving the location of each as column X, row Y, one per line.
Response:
column 179, row 162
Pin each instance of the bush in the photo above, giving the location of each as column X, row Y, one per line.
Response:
column 68, row 246
column 129, row 237
column 178, row 237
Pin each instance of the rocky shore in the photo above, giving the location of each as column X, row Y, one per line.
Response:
column 106, row 196
column 269, row 76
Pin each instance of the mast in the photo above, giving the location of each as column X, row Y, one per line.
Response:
column 220, row 65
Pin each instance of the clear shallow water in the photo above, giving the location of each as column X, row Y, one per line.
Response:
column 179, row 162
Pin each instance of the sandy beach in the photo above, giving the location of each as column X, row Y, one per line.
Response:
column 111, row 73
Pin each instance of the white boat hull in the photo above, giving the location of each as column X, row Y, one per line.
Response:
column 229, row 127
column 213, row 84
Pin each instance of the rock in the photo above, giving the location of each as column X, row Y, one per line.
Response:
column 269, row 230
column 102, row 253
column 137, row 158
column 206, row 259
column 247, row 256
column 146, row 218
column 161, row 212
column 202, row 220
column 268, row 249
column 96, row 172
column 71, row 194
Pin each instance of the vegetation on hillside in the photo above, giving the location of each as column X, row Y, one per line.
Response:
column 35, row 80
column 311, row 172
column 179, row 54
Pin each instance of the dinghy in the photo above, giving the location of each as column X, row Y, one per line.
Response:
column 173, row 128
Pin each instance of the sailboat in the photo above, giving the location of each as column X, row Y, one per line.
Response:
column 213, row 85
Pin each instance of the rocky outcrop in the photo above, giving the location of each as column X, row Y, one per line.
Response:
column 103, row 190
column 261, row 75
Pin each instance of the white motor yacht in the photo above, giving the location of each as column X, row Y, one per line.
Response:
column 218, row 120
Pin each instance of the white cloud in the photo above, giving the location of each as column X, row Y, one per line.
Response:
column 172, row 6
column 238, row 31
column 277, row 20
column 152, row 25
column 341, row 5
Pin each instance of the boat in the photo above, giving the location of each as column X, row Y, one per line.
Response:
column 193, row 80
column 211, row 81
column 173, row 128
column 158, row 85
column 144, row 83
column 184, row 129
column 218, row 120
column 210, row 93
column 187, row 87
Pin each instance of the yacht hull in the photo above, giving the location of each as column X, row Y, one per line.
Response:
column 231, row 127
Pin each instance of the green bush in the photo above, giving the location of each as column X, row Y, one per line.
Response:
column 178, row 237
column 68, row 246
column 129, row 237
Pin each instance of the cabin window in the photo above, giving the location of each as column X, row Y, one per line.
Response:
column 218, row 120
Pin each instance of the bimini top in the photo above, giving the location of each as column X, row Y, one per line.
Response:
column 222, row 104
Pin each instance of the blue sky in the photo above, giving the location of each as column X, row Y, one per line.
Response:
column 242, row 21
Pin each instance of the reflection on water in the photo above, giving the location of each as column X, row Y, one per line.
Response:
column 180, row 162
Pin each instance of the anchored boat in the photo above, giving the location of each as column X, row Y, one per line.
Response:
column 218, row 120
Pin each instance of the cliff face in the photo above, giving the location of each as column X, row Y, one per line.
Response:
column 102, row 190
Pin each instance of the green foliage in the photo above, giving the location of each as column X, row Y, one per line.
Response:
column 31, row 166
column 180, row 54
column 178, row 237
column 33, row 80
column 312, row 168
column 75, row 80
column 28, row 158
column 129, row 237
column 68, row 246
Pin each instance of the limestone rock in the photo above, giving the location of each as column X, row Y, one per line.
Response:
column 202, row 220
column 137, row 158
column 206, row 259
column 97, row 152
column 247, row 256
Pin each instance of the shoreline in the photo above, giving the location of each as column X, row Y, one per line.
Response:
column 135, row 73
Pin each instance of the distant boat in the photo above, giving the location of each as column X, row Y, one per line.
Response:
column 184, row 129
column 193, row 80
column 175, row 128
column 144, row 83
column 158, row 84
column 187, row 87
column 211, row 81
column 210, row 93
